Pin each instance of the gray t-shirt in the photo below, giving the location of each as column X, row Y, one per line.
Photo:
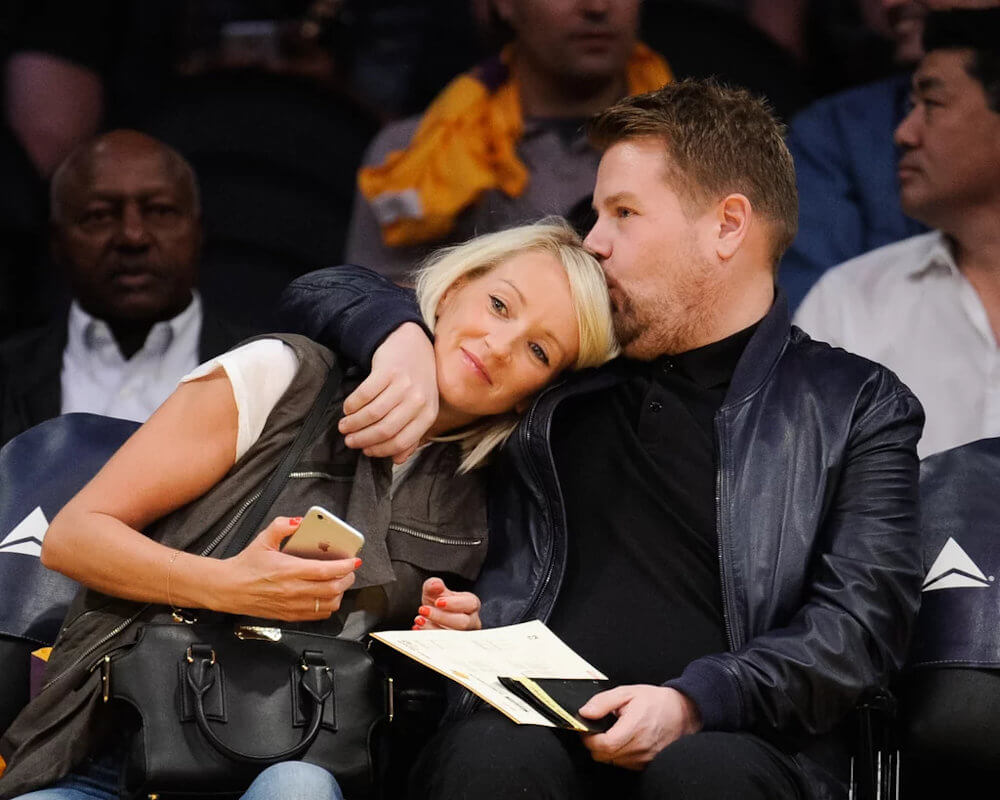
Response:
column 562, row 170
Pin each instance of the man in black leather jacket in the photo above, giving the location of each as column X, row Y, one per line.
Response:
column 724, row 521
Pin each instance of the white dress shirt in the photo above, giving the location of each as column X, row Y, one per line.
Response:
column 97, row 379
column 909, row 307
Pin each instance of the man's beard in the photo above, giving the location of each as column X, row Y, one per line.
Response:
column 665, row 325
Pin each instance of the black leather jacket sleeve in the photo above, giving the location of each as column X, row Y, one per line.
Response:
column 860, row 597
column 349, row 309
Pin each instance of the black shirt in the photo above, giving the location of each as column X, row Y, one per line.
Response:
column 641, row 596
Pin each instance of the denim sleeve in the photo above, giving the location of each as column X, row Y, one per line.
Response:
column 831, row 223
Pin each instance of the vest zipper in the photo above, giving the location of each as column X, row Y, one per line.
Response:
column 311, row 474
column 125, row 623
column 229, row 525
column 429, row 537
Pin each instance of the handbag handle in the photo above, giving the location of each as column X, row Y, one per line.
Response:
column 316, row 683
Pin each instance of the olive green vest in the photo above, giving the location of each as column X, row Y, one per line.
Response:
column 435, row 524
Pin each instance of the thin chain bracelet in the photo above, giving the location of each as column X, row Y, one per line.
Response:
column 170, row 566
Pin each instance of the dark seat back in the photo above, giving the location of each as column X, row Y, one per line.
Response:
column 40, row 470
column 950, row 695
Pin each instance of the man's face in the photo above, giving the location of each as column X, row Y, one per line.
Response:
column 950, row 141
column 651, row 245
column 903, row 21
column 577, row 39
column 128, row 234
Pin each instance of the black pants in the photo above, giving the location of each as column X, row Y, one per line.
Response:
column 487, row 757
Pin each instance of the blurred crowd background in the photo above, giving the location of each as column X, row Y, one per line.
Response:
column 274, row 102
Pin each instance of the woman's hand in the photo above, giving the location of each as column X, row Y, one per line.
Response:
column 441, row 608
column 261, row 581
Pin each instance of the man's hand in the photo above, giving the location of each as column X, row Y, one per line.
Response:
column 442, row 608
column 649, row 719
column 389, row 413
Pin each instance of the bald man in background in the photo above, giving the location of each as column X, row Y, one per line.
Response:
column 126, row 229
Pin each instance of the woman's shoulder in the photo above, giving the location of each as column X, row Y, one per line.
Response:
column 304, row 348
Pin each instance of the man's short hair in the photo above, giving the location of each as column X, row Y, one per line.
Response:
column 719, row 140
column 78, row 167
column 975, row 29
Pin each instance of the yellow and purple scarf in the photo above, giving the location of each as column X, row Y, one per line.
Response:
column 465, row 145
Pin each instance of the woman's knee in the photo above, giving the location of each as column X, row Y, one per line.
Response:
column 294, row 780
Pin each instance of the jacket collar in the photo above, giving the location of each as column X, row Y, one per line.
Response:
column 762, row 352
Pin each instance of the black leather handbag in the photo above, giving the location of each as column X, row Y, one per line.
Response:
column 220, row 697
column 219, row 702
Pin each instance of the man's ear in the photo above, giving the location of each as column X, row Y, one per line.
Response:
column 733, row 215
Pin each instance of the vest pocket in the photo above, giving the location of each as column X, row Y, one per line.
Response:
column 433, row 552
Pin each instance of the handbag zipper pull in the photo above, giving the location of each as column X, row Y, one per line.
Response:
column 183, row 615
column 106, row 677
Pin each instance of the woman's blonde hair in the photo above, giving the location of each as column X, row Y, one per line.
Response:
column 477, row 257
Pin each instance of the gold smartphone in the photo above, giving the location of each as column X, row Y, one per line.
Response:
column 323, row 535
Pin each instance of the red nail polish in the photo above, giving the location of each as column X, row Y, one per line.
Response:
column 441, row 602
column 357, row 563
column 424, row 611
column 295, row 521
column 415, row 628
column 420, row 621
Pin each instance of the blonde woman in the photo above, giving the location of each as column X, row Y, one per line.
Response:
column 510, row 311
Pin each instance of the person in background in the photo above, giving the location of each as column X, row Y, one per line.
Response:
column 126, row 229
column 928, row 307
column 503, row 144
column 845, row 165
column 845, row 159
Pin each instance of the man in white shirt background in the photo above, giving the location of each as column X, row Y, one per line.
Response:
column 126, row 229
column 928, row 307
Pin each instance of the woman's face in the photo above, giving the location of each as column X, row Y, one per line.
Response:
column 502, row 336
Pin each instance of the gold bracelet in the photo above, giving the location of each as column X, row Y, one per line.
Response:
column 170, row 566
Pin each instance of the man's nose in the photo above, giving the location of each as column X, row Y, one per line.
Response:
column 597, row 242
column 133, row 226
column 595, row 8
column 906, row 134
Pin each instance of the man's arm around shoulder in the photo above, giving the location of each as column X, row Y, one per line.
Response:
column 373, row 322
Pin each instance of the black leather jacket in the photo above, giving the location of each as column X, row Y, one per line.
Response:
column 816, row 511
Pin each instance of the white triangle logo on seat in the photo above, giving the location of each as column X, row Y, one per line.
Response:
column 953, row 569
column 27, row 536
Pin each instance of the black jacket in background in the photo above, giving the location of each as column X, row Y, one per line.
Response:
column 31, row 366
column 819, row 549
